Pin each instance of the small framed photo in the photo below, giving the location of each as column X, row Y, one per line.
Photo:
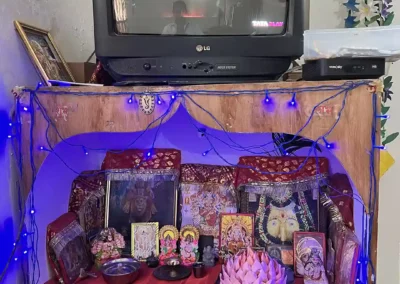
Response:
column 282, row 253
column 44, row 53
column 236, row 231
column 309, row 254
column 145, row 240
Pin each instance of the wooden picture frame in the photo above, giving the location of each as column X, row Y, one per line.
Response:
column 44, row 54
column 236, row 223
column 309, row 246
column 144, row 240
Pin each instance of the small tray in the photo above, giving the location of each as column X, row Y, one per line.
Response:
column 165, row 272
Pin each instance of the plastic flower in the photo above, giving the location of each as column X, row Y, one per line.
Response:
column 366, row 10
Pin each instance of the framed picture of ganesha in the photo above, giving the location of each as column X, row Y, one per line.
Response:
column 141, row 197
column 236, row 231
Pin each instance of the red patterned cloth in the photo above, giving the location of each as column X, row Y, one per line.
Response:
column 146, row 277
column 279, row 165
column 346, row 246
column 196, row 173
column 137, row 159
column 206, row 192
column 341, row 194
column 87, row 200
column 66, row 248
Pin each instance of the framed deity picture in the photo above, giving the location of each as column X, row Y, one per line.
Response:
column 145, row 240
column 44, row 53
column 140, row 196
column 309, row 254
column 236, row 231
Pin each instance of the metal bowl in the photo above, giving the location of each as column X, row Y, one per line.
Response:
column 120, row 271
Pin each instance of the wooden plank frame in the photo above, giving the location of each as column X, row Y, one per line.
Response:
column 74, row 114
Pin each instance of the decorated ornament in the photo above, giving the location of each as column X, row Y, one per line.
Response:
column 189, row 244
column 147, row 104
column 169, row 236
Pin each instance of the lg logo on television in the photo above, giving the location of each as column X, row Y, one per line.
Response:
column 201, row 48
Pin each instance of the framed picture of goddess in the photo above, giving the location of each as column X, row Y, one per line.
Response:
column 145, row 240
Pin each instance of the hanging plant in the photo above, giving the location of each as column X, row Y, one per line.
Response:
column 365, row 13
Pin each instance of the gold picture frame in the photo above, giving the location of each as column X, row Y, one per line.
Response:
column 44, row 54
column 148, row 241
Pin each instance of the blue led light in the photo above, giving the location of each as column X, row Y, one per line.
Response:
column 159, row 100
column 293, row 103
column 205, row 153
column 32, row 211
column 328, row 144
column 268, row 99
column 380, row 147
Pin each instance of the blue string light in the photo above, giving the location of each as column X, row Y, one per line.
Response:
column 205, row 153
column 328, row 144
column 385, row 116
column 293, row 103
column 185, row 95
column 380, row 147
column 267, row 99
column 159, row 100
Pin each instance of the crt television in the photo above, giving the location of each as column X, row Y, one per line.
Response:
column 198, row 41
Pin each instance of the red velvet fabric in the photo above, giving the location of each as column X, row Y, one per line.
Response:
column 146, row 277
column 279, row 165
column 341, row 194
column 57, row 264
column 130, row 159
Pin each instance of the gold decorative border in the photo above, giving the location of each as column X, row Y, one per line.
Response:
column 21, row 27
column 192, row 229
column 169, row 228
column 133, row 226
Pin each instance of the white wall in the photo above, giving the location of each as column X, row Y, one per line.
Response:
column 15, row 69
column 329, row 14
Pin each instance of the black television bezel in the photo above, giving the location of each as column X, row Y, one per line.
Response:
column 109, row 44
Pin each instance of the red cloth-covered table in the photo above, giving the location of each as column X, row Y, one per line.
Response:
column 146, row 277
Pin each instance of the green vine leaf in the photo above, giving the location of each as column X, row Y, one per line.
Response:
column 388, row 82
column 383, row 122
column 385, row 109
column 390, row 138
column 389, row 19
column 372, row 20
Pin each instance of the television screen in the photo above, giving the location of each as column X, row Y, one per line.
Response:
column 200, row 17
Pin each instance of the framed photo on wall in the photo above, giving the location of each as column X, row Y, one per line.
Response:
column 145, row 240
column 140, row 196
column 44, row 54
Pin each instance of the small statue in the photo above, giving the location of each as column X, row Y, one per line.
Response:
column 152, row 261
column 208, row 256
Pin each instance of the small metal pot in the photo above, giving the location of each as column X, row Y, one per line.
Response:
column 120, row 271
